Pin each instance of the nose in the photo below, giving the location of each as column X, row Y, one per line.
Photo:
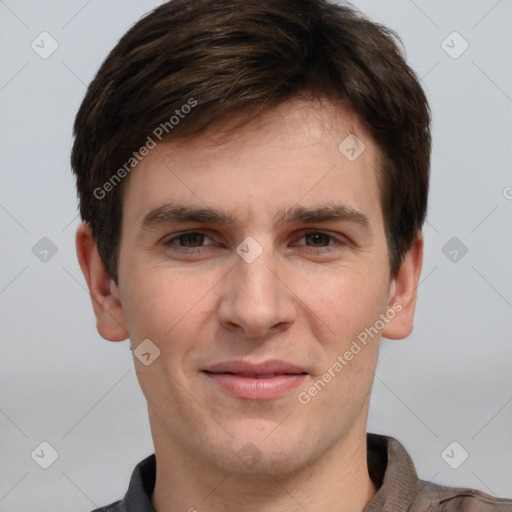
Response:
column 256, row 301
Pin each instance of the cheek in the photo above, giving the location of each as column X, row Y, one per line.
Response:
column 344, row 302
column 345, row 311
column 152, row 302
column 167, row 305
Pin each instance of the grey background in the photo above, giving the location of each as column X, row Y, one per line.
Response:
column 61, row 383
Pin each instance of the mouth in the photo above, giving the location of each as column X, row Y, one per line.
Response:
column 252, row 375
column 263, row 381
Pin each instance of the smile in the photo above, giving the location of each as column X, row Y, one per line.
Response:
column 265, row 381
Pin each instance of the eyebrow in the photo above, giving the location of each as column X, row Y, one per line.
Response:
column 323, row 213
column 176, row 213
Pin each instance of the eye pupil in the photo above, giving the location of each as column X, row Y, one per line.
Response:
column 318, row 238
column 194, row 239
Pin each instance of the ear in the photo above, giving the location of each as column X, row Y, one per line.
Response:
column 104, row 293
column 403, row 292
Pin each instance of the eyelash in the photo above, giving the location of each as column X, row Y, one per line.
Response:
column 193, row 250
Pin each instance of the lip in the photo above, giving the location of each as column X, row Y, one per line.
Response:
column 256, row 381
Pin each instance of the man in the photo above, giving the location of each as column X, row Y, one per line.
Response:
column 253, row 180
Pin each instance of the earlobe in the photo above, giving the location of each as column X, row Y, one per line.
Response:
column 403, row 292
column 104, row 293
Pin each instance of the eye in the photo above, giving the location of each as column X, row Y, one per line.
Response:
column 319, row 242
column 318, row 239
column 188, row 240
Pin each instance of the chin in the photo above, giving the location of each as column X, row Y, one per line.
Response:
column 254, row 453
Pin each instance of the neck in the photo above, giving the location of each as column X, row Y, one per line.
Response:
column 338, row 480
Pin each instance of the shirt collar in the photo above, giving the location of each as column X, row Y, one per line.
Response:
column 389, row 465
column 392, row 471
column 142, row 484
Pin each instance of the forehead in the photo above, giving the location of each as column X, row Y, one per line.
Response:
column 298, row 153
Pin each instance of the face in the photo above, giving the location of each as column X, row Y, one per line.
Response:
column 254, row 261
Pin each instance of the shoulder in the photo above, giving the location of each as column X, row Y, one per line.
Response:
column 113, row 507
column 438, row 498
column 138, row 495
column 392, row 470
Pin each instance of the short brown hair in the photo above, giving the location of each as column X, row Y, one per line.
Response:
column 219, row 57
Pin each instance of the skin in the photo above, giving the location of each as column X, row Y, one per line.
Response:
column 296, row 302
